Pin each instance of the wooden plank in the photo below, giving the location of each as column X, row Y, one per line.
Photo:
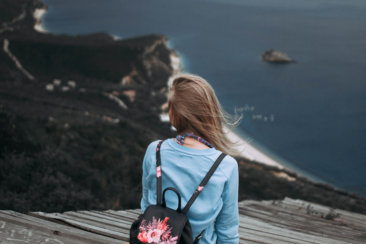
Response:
column 107, row 216
column 303, row 222
column 301, row 204
column 303, row 226
column 121, row 218
column 124, row 214
column 21, row 228
column 87, row 225
column 134, row 211
column 347, row 215
column 17, row 233
column 328, row 226
column 271, row 210
column 270, row 238
column 252, row 225
column 123, row 230
column 88, row 217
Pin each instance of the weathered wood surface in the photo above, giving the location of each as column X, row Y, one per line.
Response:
column 287, row 221
column 21, row 228
column 297, row 221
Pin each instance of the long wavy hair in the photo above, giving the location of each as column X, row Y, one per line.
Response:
column 194, row 107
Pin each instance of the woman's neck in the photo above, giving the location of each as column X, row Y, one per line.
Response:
column 192, row 143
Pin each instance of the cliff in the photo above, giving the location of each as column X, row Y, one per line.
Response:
column 76, row 114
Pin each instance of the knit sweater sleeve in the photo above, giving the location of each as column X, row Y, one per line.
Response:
column 149, row 159
column 227, row 222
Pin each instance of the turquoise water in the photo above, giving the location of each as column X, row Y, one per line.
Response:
column 311, row 115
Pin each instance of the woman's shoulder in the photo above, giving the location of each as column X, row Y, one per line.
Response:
column 153, row 144
column 229, row 166
column 231, row 160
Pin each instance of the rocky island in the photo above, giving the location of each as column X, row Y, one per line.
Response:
column 275, row 56
column 77, row 113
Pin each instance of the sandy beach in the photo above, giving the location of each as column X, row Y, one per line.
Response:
column 249, row 151
column 38, row 14
column 244, row 147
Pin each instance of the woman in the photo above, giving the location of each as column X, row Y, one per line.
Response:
column 196, row 114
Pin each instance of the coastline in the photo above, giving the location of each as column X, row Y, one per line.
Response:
column 38, row 15
column 245, row 149
column 249, row 151
column 244, row 146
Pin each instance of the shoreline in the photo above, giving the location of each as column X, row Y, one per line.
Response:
column 38, row 15
column 243, row 146
column 245, row 149
column 249, row 151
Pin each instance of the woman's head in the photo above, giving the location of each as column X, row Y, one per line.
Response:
column 194, row 107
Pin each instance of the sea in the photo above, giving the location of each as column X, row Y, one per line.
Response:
column 309, row 115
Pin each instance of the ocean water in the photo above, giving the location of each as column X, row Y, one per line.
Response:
column 310, row 115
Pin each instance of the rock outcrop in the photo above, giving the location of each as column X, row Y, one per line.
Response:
column 274, row 56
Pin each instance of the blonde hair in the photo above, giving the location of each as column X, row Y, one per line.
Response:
column 195, row 108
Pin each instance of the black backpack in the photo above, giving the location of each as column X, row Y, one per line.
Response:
column 162, row 225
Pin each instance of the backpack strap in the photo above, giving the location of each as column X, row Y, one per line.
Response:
column 198, row 238
column 158, row 173
column 203, row 183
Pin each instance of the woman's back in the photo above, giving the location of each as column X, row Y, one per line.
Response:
column 216, row 208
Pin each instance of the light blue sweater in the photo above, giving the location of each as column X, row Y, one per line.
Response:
column 216, row 208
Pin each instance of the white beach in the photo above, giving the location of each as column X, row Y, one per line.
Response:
column 244, row 147
column 115, row 37
column 38, row 14
column 249, row 151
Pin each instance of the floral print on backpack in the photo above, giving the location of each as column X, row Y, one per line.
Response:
column 156, row 232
